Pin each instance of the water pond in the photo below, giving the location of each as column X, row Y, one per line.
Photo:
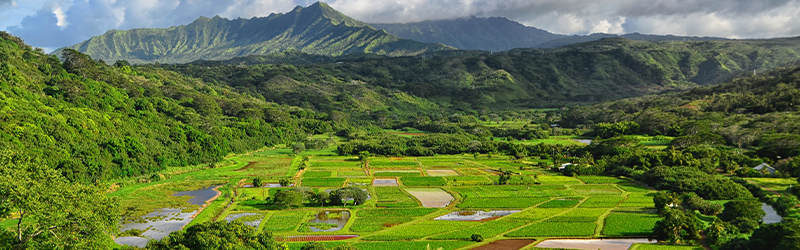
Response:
column 584, row 141
column 250, row 219
column 593, row 244
column 161, row 222
column 475, row 215
column 772, row 216
column 329, row 221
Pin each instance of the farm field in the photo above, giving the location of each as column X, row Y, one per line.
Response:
column 405, row 195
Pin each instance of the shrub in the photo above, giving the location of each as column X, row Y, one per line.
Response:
column 476, row 238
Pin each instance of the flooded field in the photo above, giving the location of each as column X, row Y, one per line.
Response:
column 384, row 183
column 329, row 221
column 250, row 219
column 475, row 215
column 592, row 244
column 199, row 197
column 431, row 197
column 442, row 172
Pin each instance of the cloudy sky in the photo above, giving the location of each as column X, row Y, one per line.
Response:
column 56, row 23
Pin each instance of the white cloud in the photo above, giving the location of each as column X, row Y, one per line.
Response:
column 60, row 17
column 77, row 20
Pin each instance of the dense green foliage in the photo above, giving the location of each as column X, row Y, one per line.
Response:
column 50, row 212
column 581, row 73
column 316, row 29
column 96, row 122
column 217, row 235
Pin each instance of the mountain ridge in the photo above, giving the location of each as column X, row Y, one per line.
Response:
column 316, row 29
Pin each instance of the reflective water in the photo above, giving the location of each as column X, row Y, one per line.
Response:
column 254, row 223
column 584, row 141
column 772, row 215
column 339, row 218
column 199, row 197
column 475, row 215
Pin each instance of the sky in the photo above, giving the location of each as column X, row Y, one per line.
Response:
column 52, row 24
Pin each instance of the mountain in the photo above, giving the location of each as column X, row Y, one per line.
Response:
column 567, row 40
column 317, row 29
column 472, row 33
column 581, row 73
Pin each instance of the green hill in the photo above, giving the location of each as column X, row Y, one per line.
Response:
column 577, row 74
column 96, row 122
column 317, row 29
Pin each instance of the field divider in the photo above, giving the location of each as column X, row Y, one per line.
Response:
column 601, row 222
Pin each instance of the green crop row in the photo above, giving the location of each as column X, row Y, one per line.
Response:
column 419, row 230
column 372, row 224
column 579, row 215
column 487, row 230
column 445, row 245
column 504, row 202
column 564, row 202
column 602, row 201
column 630, row 222
column 317, row 174
column 285, row 221
column 322, row 182
column 595, row 189
column 514, row 191
column 555, row 229
column 535, row 214
column 396, row 173
column 593, row 179
column 424, row 181
column 405, row 212
column 393, row 197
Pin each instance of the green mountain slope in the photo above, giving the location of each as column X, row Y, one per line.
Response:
column 581, row 73
column 96, row 122
column 567, row 40
column 316, row 29
column 492, row 34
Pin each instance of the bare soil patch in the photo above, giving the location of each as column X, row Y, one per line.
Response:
column 505, row 245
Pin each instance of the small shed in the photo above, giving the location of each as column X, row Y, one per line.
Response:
column 762, row 166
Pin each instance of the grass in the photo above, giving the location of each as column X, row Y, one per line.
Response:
column 373, row 224
column 406, row 212
column 638, row 200
column 566, row 202
column 424, row 181
column 469, row 180
column 419, row 230
column 555, row 229
column 487, row 230
column 603, row 189
column 509, row 202
column 633, row 222
column 412, row 245
column 633, row 188
column 558, row 180
column 396, row 173
column 317, row 174
column 579, row 215
column 534, row 214
column 322, row 182
column 602, row 201
column 348, row 173
column 592, row 179
column 514, row 191
column 282, row 221
column 776, row 184
column 393, row 197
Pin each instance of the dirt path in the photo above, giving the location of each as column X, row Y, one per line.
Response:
column 765, row 188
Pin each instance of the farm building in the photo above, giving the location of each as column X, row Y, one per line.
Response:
column 762, row 166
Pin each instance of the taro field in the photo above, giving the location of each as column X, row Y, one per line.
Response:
column 413, row 202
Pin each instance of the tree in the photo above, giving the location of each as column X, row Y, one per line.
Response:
column 257, row 182
column 217, row 235
column 289, row 198
column 476, row 238
column 677, row 227
column 746, row 209
column 340, row 196
column 298, row 148
column 51, row 212
column 784, row 235
column 363, row 156
column 284, row 182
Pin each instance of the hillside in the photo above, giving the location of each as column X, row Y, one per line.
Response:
column 96, row 122
column 567, row 40
column 317, row 29
column 522, row 78
column 473, row 33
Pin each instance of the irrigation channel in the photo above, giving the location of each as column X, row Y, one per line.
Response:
column 771, row 216
column 161, row 222
column 592, row 244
